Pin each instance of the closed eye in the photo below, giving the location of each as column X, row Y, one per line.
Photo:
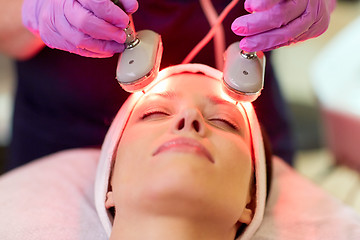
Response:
column 224, row 123
column 154, row 115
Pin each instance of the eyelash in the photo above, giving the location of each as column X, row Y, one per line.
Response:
column 230, row 124
column 149, row 113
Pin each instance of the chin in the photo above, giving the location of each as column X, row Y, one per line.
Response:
column 176, row 182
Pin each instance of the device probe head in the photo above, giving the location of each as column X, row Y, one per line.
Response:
column 243, row 77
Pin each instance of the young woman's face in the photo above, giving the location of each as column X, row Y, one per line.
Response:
column 184, row 151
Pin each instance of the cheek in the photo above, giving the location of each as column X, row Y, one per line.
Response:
column 235, row 158
column 137, row 138
column 137, row 144
column 231, row 146
column 235, row 169
column 130, row 166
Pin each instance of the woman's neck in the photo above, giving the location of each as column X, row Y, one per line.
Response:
column 167, row 227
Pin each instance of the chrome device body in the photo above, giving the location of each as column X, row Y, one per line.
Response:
column 139, row 64
column 243, row 77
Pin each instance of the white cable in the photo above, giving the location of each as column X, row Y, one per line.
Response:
column 210, row 34
column 219, row 38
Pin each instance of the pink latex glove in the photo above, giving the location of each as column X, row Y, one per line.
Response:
column 91, row 28
column 277, row 23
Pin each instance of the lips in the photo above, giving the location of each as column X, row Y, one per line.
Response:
column 184, row 145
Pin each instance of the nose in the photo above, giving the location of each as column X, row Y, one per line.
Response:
column 190, row 120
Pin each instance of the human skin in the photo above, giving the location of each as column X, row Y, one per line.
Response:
column 163, row 188
column 15, row 40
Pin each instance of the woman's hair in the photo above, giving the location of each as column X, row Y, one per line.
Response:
column 268, row 160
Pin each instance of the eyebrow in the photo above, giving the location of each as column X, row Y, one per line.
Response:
column 211, row 98
column 168, row 94
column 217, row 100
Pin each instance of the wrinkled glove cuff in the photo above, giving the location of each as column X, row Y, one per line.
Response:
column 332, row 5
column 29, row 14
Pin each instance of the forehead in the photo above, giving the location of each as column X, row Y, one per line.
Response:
column 189, row 84
column 192, row 87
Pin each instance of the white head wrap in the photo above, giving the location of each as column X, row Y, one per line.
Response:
column 114, row 134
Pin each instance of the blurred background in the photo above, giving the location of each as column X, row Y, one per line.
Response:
column 303, row 70
column 320, row 79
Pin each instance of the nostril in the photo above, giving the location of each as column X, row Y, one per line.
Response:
column 181, row 124
column 196, row 125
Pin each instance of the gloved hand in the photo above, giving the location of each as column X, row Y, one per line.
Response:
column 277, row 23
column 91, row 28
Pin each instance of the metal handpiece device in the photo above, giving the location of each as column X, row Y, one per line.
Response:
column 139, row 64
column 243, row 77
